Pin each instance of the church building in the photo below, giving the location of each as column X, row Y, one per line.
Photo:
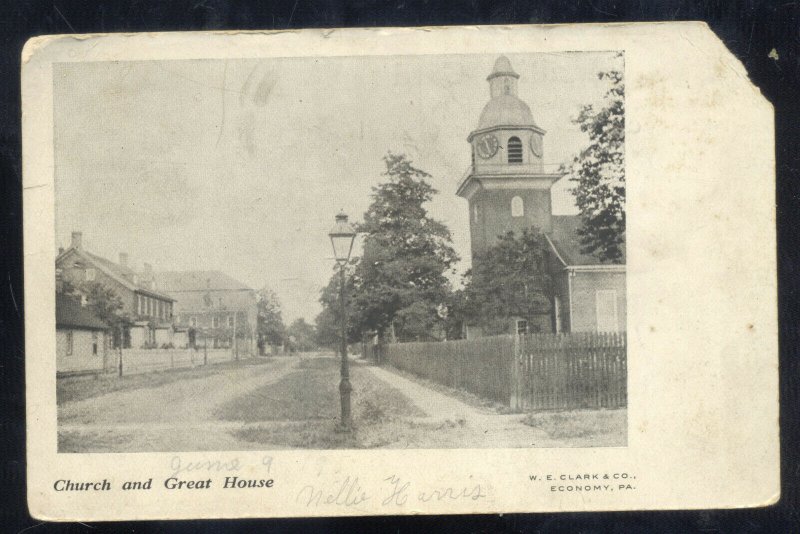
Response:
column 507, row 188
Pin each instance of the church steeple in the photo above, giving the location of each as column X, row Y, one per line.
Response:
column 506, row 186
column 503, row 79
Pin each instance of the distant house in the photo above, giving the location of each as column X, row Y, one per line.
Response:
column 81, row 340
column 217, row 310
column 150, row 311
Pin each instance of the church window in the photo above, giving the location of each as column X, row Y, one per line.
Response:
column 517, row 207
column 90, row 275
column 514, row 150
column 475, row 212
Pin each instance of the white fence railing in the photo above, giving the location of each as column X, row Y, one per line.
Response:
column 135, row 361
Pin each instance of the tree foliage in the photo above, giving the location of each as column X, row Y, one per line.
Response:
column 401, row 278
column 599, row 172
column 271, row 329
column 510, row 279
column 104, row 303
column 301, row 335
column 328, row 322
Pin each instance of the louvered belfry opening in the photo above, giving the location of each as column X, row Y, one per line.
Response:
column 514, row 150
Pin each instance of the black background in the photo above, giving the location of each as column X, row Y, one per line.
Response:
column 750, row 29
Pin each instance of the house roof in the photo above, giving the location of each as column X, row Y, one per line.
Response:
column 70, row 314
column 205, row 291
column 125, row 276
column 196, row 281
column 566, row 243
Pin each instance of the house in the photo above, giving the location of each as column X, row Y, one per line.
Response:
column 149, row 311
column 82, row 344
column 508, row 189
column 214, row 309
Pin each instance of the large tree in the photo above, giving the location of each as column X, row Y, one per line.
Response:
column 271, row 329
column 599, row 174
column 104, row 302
column 328, row 323
column 401, row 278
column 508, row 280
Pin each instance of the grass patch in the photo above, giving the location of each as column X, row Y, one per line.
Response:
column 71, row 389
column 71, row 442
column 305, row 406
column 580, row 424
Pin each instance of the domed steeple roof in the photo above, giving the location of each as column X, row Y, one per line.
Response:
column 505, row 108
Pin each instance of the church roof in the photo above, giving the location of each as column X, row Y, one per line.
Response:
column 505, row 110
column 566, row 242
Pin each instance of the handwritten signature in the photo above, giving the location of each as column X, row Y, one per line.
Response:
column 349, row 492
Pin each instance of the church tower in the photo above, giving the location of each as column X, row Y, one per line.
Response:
column 506, row 186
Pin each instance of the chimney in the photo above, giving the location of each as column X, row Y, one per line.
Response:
column 77, row 240
column 123, row 259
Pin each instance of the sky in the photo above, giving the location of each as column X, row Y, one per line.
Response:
column 241, row 165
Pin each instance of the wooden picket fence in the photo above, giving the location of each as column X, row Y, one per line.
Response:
column 482, row 366
column 530, row 372
column 567, row 371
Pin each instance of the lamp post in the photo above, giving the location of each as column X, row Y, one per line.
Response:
column 342, row 236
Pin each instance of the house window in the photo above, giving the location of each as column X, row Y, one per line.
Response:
column 514, row 150
column 161, row 309
column 522, row 326
column 230, row 321
column 193, row 321
column 517, row 207
column 94, row 343
column 215, row 322
column 606, row 306
column 69, row 343
column 90, row 275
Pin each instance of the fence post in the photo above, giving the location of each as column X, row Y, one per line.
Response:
column 515, row 401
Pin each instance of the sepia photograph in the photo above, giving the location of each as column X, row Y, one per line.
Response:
column 391, row 271
column 343, row 252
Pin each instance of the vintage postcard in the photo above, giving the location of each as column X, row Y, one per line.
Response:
column 397, row 271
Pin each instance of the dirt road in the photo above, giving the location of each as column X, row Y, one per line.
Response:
column 168, row 417
column 291, row 402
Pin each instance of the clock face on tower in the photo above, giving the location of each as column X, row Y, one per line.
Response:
column 536, row 145
column 487, row 146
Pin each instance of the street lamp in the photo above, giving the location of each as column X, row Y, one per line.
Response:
column 342, row 237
